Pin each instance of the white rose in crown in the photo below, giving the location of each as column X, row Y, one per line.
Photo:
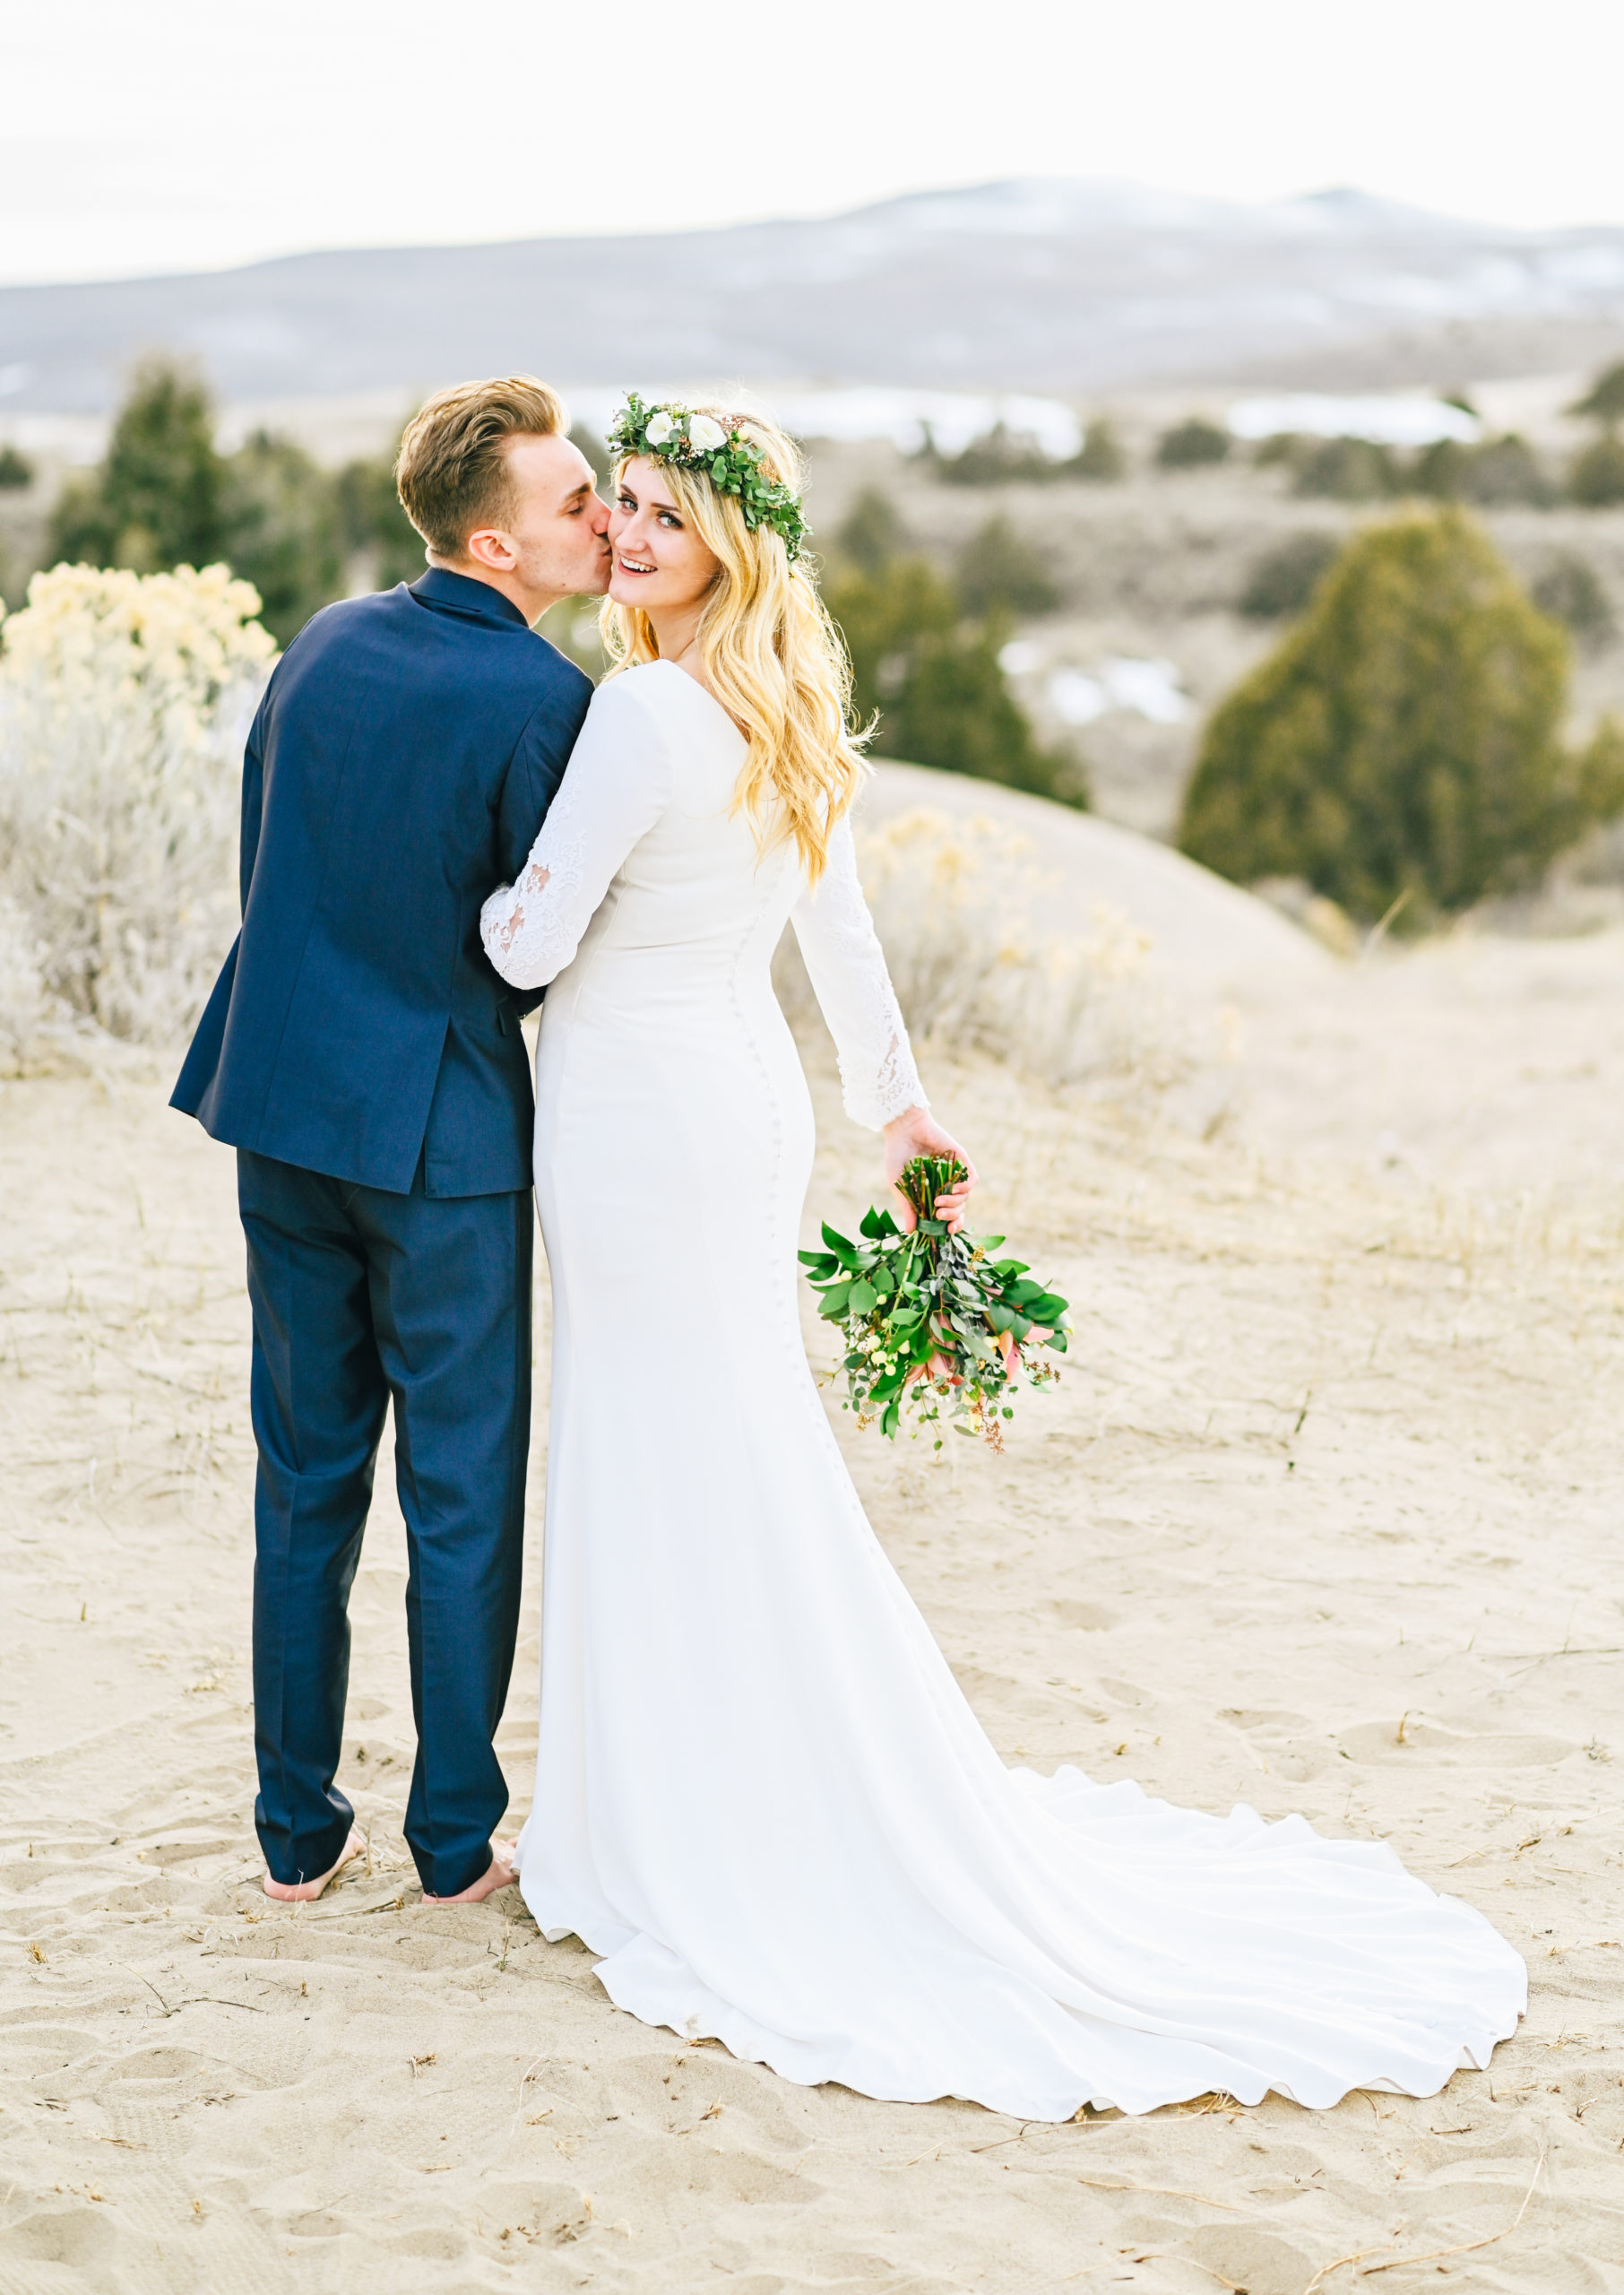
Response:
column 704, row 433
column 659, row 428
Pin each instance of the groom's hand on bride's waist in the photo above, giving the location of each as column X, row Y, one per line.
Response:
column 916, row 1132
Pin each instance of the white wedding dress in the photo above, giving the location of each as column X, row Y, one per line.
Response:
column 760, row 1794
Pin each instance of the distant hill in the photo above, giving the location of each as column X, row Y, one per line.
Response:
column 1038, row 284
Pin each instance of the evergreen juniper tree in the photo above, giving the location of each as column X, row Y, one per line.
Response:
column 1192, row 445
column 282, row 532
column 936, row 686
column 1603, row 402
column 1347, row 470
column 1404, row 737
column 1597, row 477
column 158, row 498
column 1000, row 572
column 870, row 534
column 1101, row 457
column 372, row 524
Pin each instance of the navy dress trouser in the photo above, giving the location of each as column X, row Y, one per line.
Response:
column 360, row 1296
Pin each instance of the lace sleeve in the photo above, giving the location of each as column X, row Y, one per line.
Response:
column 616, row 785
column 878, row 1078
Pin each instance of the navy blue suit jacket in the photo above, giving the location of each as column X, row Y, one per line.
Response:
column 403, row 760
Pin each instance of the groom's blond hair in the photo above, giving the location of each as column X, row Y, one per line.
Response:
column 452, row 472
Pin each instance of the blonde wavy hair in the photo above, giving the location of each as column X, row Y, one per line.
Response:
column 771, row 655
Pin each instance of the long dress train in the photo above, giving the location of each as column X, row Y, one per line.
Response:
column 760, row 1794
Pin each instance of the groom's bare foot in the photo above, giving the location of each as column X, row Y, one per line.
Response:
column 501, row 1872
column 307, row 1891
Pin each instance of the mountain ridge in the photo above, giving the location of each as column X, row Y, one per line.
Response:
column 1074, row 286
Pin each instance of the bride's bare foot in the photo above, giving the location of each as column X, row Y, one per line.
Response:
column 501, row 1872
column 307, row 1891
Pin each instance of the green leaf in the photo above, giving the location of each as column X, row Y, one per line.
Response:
column 831, row 1307
column 845, row 1251
column 862, row 1299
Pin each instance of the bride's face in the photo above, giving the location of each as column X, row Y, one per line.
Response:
column 660, row 562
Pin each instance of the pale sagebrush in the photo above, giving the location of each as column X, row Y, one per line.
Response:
column 953, row 900
column 124, row 703
column 24, row 1007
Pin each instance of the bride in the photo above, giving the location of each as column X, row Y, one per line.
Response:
column 760, row 1794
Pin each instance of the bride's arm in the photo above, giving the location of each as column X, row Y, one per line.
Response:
column 879, row 1082
column 616, row 785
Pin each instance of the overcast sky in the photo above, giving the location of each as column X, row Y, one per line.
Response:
column 191, row 133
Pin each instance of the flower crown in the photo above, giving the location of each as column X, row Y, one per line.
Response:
column 676, row 434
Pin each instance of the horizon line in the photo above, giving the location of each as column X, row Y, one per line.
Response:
column 609, row 235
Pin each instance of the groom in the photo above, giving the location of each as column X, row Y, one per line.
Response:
column 366, row 1064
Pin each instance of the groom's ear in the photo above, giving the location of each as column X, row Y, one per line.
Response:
column 492, row 547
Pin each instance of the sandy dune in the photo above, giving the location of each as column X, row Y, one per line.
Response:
column 1208, row 934
column 1325, row 1518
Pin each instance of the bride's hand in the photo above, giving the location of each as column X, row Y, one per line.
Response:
column 915, row 1132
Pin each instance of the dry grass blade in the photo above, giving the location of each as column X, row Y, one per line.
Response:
column 1018, row 2138
column 1341, row 2263
column 1432, row 2254
column 1163, row 2191
column 156, row 1996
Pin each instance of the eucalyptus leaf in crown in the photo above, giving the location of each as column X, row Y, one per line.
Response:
column 730, row 460
column 935, row 1327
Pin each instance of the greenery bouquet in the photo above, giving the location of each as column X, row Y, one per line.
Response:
column 935, row 1327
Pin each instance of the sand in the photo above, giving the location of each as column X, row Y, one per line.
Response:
column 1208, row 936
column 1323, row 1518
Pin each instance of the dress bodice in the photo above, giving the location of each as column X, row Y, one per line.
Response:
column 645, row 863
